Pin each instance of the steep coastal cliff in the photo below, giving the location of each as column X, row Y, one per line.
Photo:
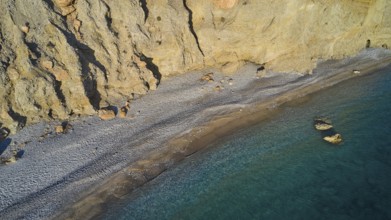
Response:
column 69, row 57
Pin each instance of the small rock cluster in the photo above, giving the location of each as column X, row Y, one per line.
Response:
column 64, row 128
column 328, row 133
column 207, row 77
column 110, row 112
column 219, row 85
column 13, row 157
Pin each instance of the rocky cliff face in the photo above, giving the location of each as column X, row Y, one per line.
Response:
column 70, row 57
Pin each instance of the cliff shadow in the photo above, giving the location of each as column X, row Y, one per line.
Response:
column 144, row 6
column 4, row 145
column 22, row 120
column 86, row 57
column 152, row 67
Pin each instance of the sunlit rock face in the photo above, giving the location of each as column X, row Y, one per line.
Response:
column 71, row 57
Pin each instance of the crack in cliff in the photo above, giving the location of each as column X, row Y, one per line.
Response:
column 190, row 21
column 57, row 89
column 151, row 66
column 143, row 4
column 86, row 56
column 22, row 120
column 109, row 20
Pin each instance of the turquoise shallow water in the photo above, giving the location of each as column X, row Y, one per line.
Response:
column 281, row 168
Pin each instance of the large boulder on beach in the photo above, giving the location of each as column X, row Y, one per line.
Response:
column 106, row 114
column 122, row 112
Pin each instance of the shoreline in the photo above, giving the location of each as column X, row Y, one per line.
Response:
column 200, row 137
column 76, row 174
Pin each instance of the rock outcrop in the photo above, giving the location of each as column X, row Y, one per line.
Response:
column 71, row 57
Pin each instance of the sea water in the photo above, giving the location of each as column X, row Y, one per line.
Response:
column 282, row 169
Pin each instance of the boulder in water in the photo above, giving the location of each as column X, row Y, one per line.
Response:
column 327, row 131
column 334, row 139
column 323, row 126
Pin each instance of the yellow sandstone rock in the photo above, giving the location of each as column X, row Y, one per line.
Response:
column 59, row 129
column 323, row 126
column 122, row 112
column 334, row 139
column 207, row 77
column 106, row 114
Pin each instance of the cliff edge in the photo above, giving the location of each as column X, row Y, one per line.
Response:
column 61, row 58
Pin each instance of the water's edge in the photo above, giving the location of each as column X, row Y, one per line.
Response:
column 178, row 149
column 281, row 168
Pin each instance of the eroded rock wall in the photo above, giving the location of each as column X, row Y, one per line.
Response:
column 71, row 57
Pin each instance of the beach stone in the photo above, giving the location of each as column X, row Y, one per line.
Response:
column 218, row 88
column 59, row 129
column 64, row 128
column 122, row 112
column 9, row 160
column 106, row 114
column 207, row 77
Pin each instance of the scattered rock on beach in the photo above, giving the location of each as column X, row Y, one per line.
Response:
column 59, row 129
column 230, row 81
column 218, row 88
column 207, row 77
column 122, row 112
column 12, row 157
column 3, row 133
column 64, row 128
column 8, row 160
column 106, row 114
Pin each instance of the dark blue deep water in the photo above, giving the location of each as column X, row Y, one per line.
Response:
column 281, row 168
